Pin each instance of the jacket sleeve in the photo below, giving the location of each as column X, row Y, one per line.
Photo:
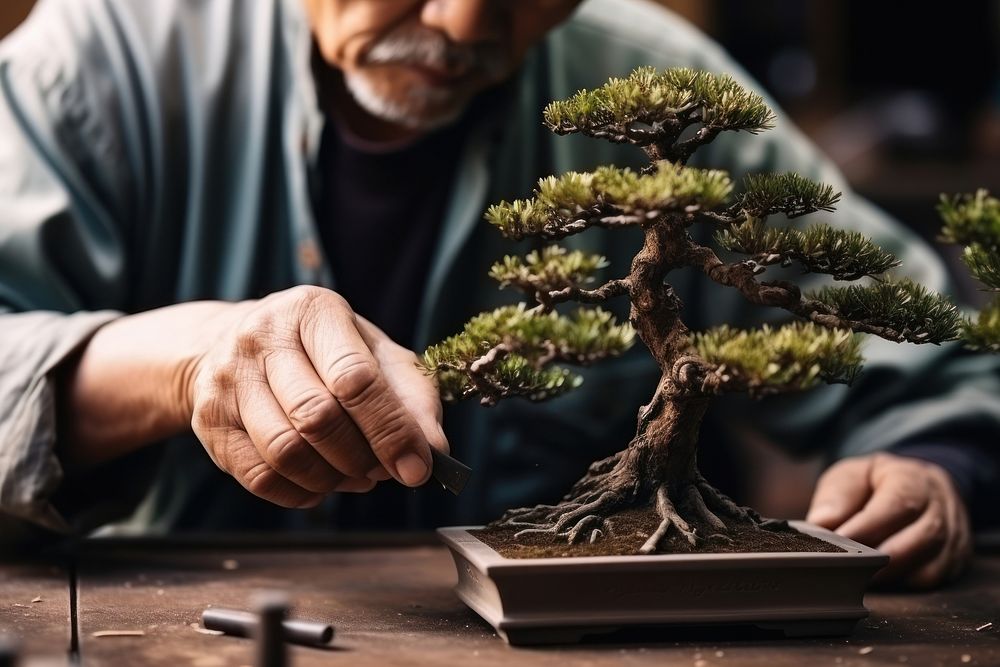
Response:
column 65, row 198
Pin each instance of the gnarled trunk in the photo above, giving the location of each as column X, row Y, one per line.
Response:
column 666, row 440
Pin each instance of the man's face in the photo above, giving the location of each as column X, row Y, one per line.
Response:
column 417, row 63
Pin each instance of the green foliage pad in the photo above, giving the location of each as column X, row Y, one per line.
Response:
column 841, row 253
column 650, row 97
column 608, row 196
column 912, row 312
column 531, row 340
column 792, row 357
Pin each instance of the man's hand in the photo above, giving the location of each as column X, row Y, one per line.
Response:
column 903, row 506
column 300, row 397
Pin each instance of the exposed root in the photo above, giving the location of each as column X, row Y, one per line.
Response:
column 572, row 521
column 697, row 511
column 605, row 466
column 536, row 516
column 596, row 479
column 692, row 508
column 697, row 505
column 670, row 517
column 720, row 503
column 719, row 537
column 650, row 545
column 605, row 503
column 582, row 525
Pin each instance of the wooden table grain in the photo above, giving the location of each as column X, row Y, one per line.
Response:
column 393, row 605
column 35, row 610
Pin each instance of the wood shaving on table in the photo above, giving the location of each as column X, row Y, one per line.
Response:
column 117, row 633
column 984, row 626
column 37, row 598
column 230, row 564
column 865, row 650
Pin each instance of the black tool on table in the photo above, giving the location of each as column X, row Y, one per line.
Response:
column 245, row 624
column 451, row 473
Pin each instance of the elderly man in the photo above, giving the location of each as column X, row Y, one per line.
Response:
column 239, row 218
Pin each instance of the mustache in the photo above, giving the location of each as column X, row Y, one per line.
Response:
column 413, row 45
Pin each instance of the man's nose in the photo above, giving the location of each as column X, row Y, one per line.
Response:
column 463, row 21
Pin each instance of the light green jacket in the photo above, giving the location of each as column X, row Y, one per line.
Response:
column 157, row 152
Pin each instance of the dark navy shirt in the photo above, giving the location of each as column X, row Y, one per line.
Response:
column 379, row 215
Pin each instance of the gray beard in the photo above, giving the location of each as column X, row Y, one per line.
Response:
column 409, row 112
column 423, row 107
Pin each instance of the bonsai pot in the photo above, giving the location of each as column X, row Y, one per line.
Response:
column 561, row 600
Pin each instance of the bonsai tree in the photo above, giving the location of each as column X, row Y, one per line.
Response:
column 516, row 350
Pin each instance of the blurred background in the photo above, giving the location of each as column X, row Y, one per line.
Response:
column 907, row 101
column 904, row 97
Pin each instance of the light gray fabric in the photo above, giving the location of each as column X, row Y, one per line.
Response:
column 156, row 152
column 33, row 344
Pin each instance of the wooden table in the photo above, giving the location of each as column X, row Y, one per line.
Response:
column 393, row 605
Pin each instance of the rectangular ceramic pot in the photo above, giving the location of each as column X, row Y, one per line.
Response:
column 560, row 600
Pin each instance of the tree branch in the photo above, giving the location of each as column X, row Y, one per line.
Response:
column 598, row 216
column 609, row 290
column 724, row 217
column 479, row 371
column 680, row 152
column 780, row 294
column 640, row 131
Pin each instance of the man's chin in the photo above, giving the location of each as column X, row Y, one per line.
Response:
column 422, row 107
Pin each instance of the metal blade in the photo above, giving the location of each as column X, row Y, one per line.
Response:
column 451, row 473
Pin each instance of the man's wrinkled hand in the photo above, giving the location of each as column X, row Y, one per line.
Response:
column 905, row 507
column 300, row 397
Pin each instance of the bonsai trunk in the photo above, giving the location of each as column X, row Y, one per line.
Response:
column 659, row 465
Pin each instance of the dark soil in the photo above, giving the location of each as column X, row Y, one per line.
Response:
column 633, row 526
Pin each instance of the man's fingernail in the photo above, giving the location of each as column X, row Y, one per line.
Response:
column 411, row 469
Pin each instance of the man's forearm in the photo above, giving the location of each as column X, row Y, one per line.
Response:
column 129, row 387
